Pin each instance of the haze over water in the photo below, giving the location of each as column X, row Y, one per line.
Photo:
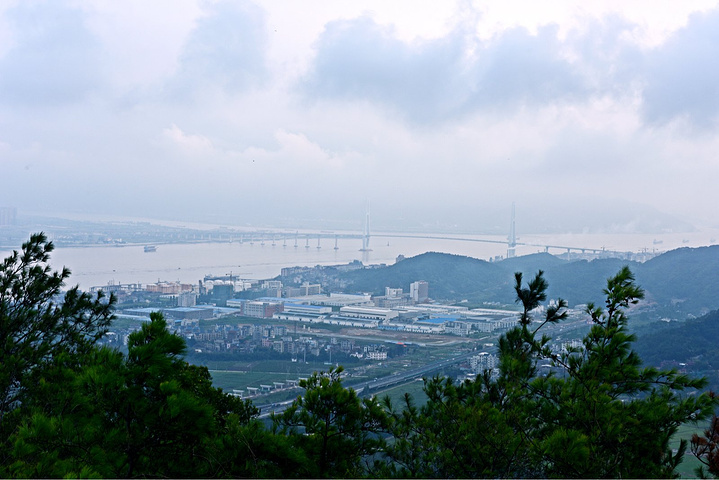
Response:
column 188, row 263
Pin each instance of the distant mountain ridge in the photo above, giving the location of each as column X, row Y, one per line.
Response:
column 685, row 280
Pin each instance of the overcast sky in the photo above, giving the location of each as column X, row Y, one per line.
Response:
column 435, row 112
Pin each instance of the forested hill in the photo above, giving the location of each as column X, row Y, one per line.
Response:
column 685, row 280
column 692, row 343
column 449, row 276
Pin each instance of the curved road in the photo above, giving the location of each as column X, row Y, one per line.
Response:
column 369, row 387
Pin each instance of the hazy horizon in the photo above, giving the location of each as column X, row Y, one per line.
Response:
column 634, row 219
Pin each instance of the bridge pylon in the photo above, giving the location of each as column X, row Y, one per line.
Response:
column 366, row 234
column 512, row 238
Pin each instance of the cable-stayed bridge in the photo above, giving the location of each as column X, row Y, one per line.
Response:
column 510, row 245
column 308, row 240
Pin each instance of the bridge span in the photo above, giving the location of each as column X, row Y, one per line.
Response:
column 510, row 244
column 320, row 240
column 305, row 239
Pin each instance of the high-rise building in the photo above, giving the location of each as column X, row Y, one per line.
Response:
column 8, row 216
column 419, row 291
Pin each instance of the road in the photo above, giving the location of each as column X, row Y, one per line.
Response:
column 371, row 387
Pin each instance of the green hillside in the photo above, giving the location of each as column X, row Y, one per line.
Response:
column 449, row 276
column 680, row 282
column 692, row 343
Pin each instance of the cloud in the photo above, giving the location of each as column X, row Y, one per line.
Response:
column 682, row 75
column 360, row 60
column 435, row 80
column 309, row 153
column 55, row 59
column 452, row 77
column 518, row 68
column 187, row 143
column 226, row 50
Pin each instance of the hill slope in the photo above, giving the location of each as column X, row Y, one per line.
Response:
column 684, row 280
column 449, row 276
column 690, row 345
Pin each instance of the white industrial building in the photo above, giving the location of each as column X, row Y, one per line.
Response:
column 382, row 315
column 300, row 309
column 336, row 300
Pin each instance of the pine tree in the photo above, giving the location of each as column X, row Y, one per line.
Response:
column 334, row 427
column 602, row 415
column 38, row 324
column 149, row 413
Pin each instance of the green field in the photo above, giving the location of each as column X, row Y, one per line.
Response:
column 396, row 394
column 240, row 375
column 690, row 463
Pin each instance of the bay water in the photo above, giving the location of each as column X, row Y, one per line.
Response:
column 190, row 262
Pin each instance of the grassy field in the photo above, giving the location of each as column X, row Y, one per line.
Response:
column 127, row 323
column 396, row 394
column 240, row 375
column 690, row 463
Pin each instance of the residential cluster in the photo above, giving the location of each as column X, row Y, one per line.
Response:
column 297, row 342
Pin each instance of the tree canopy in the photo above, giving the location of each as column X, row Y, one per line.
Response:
column 598, row 413
column 37, row 323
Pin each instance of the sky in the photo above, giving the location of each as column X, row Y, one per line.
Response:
column 589, row 115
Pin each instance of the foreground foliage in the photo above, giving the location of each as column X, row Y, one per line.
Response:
column 706, row 449
column 600, row 414
column 34, row 325
column 145, row 414
column 334, row 428
column 72, row 408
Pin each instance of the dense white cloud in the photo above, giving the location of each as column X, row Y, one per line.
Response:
column 269, row 112
column 359, row 59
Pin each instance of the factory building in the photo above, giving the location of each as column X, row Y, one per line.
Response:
column 337, row 300
column 382, row 315
column 171, row 288
column 299, row 309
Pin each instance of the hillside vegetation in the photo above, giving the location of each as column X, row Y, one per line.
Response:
column 680, row 282
column 691, row 345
